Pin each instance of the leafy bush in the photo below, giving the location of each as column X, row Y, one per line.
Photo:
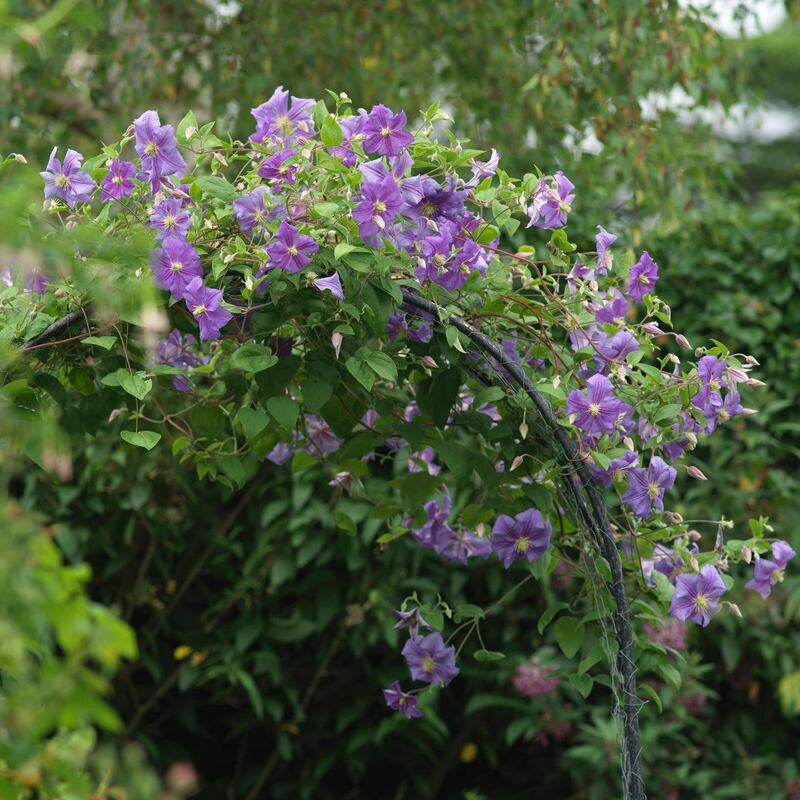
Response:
column 328, row 417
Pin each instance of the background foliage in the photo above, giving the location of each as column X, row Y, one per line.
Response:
column 259, row 656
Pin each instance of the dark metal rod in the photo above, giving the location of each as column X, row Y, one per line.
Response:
column 57, row 327
column 595, row 517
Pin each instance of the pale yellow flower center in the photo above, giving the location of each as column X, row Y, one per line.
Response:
column 428, row 209
column 428, row 664
column 150, row 149
column 724, row 416
column 522, row 545
column 170, row 221
column 292, row 250
column 654, row 490
column 176, row 266
column 594, row 409
column 198, row 310
column 380, row 206
column 61, row 180
column 701, row 602
column 385, row 132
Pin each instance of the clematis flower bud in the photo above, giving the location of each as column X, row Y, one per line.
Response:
column 683, row 341
column 336, row 340
column 696, row 473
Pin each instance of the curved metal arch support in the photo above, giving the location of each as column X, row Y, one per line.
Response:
column 592, row 509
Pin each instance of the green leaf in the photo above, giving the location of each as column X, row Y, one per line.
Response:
column 316, row 394
column 670, row 674
column 417, row 488
column 343, row 248
column 488, row 655
column 106, row 342
column 594, row 656
column 146, row 439
column 248, row 684
column 583, row 683
column 253, row 421
column 331, row 133
column 361, row 371
column 136, row 383
column 548, row 616
column 569, row 635
column 667, row 412
column 326, row 209
column 216, row 186
column 382, row 365
column 284, row 411
column 253, row 358
column 437, row 397
column 469, row 611
column 653, row 695
column 189, row 121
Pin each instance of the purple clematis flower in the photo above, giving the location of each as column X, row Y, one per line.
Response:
column 426, row 199
column 170, row 219
column 277, row 168
column 525, row 536
column 710, row 370
column 378, row 206
column 614, row 348
column 384, row 132
column 175, row 264
column 603, row 242
column 320, row 438
column 119, row 181
column 642, row 277
column 579, row 273
column 435, row 534
column 423, row 460
column 646, row 487
column 613, row 312
column 412, row 620
column 483, row 169
column 401, row 701
column 399, row 166
column 597, row 411
column 332, row 284
column 251, row 210
column 398, row 326
column 720, row 411
column 551, row 202
column 429, row 660
column 696, row 597
column 617, row 469
column 157, row 148
column 466, row 545
column 67, row 181
column 280, row 454
column 204, row 305
column 769, row 571
column 291, row 250
column 175, row 351
column 275, row 119
column 36, row 281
